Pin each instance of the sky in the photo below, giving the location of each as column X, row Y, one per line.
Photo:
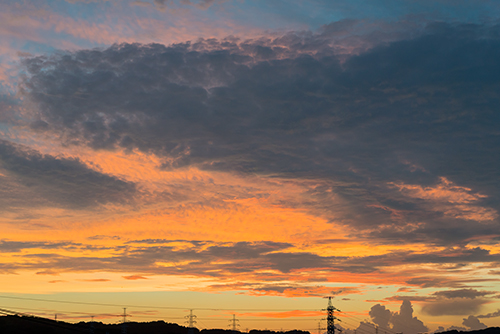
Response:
column 252, row 157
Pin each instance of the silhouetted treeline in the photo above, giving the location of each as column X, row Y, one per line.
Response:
column 31, row 325
column 490, row 330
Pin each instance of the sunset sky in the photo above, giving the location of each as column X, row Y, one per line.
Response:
column 251, row 157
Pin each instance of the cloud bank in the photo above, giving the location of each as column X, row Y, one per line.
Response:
column 404, row 133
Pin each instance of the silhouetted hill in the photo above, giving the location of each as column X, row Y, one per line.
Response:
column 27, row 325
column 490, row 330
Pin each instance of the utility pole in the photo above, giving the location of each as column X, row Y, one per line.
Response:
column 190, row 321
column 234, row 323
column 330, row 317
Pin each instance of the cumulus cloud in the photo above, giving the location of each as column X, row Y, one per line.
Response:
column 402, row 321
column 291, row 107
column 380, row 315
column 473, row 323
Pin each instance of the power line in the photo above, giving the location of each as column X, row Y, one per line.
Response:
column 331, row 327
column 157, row 307
column 131, row 314
column 41, row 320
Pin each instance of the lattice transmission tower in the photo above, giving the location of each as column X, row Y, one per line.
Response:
column 234, row 323
column 330, row 317
column 190, row 321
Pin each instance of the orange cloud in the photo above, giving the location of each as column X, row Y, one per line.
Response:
column 134, row 277
column 454, row 201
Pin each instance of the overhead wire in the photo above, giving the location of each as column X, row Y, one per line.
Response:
column 350, row 319
column 157, row 307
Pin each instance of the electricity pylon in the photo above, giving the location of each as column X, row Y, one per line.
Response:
column 330, row 317
column 234, row 323
column 190, row 321
column 124, row 324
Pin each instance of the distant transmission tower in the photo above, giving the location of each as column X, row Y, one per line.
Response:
column 190, row 321
column 330, row 317
column 234, row 323
column 320, row 328
column 124, row 315
column 124, row 324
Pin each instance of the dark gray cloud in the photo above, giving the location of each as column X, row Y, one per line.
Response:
column 404, row 321
column 456, row 328
column 451, row 302
column 473, row 323
column 418, row 112
column 463, row 293
column 489, row 315
column 380, row 315
column 222, row 259
column 32, row 179
column 218, row 260
column 264, row 261
column 17, row 246
column 460, row 306
column 433, row 281
column 447, row 297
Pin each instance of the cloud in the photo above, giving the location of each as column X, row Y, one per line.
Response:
column 452, row 200
column 463, row 293
column 456, row 328
column 285, row 290
column 290, row 107
column 451, row 302
column 380, row 315
column 454, row 306
column 56, row 181
column 256, row 265
column 400, row 321
column 203, row 4
column 489, row 315
column 473, row 323
column 18, row 246
column 405, row 321
column 134, row 277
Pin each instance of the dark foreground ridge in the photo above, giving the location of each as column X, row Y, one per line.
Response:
column 14, row 324
column 490, row 330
